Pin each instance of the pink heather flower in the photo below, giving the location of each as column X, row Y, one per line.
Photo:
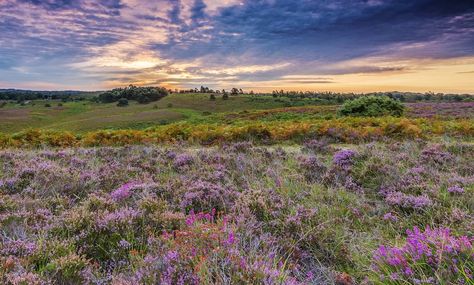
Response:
column 390, row 217
column 191, row 218
column 172, row 255
column 124, row 244
column 456, row 189
column 123, row 192
column 231, row 239
column 343, row 158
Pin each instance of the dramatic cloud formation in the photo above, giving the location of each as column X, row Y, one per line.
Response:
column 337, row 45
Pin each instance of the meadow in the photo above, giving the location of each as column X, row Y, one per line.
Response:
column 249, row 190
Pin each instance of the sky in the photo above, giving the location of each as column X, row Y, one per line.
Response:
column 260, row 45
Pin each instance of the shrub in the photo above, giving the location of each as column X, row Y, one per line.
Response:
column 47, row 105
column 122, row 102
column 225, row 96
column 212, row 97
column 372, row 106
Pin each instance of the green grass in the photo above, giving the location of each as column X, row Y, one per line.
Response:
column 87, row 116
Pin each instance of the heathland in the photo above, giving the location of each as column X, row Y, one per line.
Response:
column 251, row 189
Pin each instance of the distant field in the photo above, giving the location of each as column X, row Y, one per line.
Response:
column 88, row 116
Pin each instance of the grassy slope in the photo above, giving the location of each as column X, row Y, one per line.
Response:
column 88, row 116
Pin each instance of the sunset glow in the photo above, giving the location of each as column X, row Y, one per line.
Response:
column 350, row 46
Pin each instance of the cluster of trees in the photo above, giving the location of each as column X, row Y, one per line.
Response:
column 142, row 95
column 203, row 89
column 401, row 96
column 28, row 95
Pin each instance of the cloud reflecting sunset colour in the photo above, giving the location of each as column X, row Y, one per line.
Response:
column 360, row 46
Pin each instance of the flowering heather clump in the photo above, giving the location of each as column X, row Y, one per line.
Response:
column 313, row 168
column 456, row 189
column 123, row 192
column 317, row 146
column 434, row 154
column 203, row 196
column 232, row 215
column 408, row 201
column 430, row 257
column 344, row 158
column 182, row 160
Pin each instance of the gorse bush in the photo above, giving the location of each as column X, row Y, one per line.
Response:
column 372, row 106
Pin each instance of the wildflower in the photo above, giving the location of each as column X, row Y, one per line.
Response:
column 423, row 256
column 344, row 158
column 182, row 160
column 390, row 217
column 456, row 189
column 231, row 239
column 124, row 244
column 123, row 192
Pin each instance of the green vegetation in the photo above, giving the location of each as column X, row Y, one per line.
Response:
column 372, row 106
column 122, row 102
column 142, row 95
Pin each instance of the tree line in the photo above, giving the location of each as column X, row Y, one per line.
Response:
column 401, row 96
column 28, row 95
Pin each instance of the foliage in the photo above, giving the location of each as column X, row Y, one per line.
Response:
column 122, row 102
column 140, row 94
column 372, row 106
column 434, row 256
column 238, row 213
column 349, row 129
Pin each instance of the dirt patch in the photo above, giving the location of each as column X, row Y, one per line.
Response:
column 14, row 114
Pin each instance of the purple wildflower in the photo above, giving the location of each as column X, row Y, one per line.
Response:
column 456, row 189
column 344, row 158
column 123, row 192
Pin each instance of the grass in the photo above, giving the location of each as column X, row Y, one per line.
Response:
column 87, row 116
column 289, row 206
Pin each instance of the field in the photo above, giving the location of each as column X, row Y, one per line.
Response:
column 250, row 190
column 86, row 116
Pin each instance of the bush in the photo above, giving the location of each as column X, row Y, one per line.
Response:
column 225, row 96
column 140, row 94
column 212, row 97
column 372, row 106
column 47, row 105
column 122, row 102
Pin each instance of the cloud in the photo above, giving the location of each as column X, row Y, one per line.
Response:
column 183, row 43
